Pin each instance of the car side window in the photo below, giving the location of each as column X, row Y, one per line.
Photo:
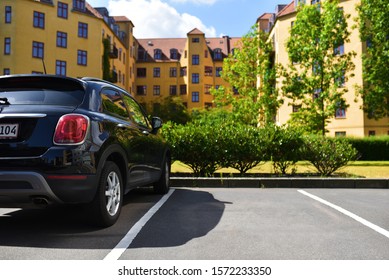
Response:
column 112, row 104
column 136, row 112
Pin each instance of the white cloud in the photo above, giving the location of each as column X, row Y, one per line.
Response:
column 206, row 2
column 156, row 19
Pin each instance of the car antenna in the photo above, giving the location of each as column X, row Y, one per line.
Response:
column 44, row 66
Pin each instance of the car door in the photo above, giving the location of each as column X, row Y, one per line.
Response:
column 150, row 145
column 124, row 131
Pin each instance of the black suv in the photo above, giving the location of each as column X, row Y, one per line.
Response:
column 76, row 141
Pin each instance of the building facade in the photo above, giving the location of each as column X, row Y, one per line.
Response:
column 186, row 67
column 348, row 122
column 64, row 38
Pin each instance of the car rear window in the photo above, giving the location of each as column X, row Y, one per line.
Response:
column 41, row 91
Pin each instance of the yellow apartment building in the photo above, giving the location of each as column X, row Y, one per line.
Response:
column 352, row 121
column 186, row 67
column 64, row 38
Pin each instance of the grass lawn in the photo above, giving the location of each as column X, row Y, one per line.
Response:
column 363, row 169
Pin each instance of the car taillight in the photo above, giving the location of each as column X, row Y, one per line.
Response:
column 71, row 129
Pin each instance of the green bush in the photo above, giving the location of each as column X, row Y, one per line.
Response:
column 193, row 145
column 328, row 154
column 284, row 145
column 244, row 147
column 372, row 148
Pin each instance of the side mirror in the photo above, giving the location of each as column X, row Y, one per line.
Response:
column 156, row 123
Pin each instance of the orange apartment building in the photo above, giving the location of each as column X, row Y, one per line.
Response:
column 352, row 121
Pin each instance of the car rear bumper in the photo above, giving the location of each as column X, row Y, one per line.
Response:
column 23, row 188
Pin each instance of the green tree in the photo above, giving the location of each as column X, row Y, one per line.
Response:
column 318, row 66
column 374, row 30
column 106, row 64
column 250, row 60
column 172, row 109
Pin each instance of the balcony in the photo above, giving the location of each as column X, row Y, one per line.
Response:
column 113, row 52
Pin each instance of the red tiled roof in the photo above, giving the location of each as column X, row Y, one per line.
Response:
column 287, row 10
column 195, row 32
column 121, row 18
column 92, row 10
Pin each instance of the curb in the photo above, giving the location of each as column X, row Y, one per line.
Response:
column 298, row 182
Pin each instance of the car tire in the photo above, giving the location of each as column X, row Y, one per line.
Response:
column 162, row 186
column 107, row 204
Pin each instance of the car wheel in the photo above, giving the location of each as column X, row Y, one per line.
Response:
column 108, row 201
column 163, row 184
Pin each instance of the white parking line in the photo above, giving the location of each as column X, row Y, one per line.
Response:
column 6, row 211
column 348, row 213
column 122, row 246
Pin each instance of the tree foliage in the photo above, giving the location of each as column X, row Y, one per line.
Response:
column 172, row 109
column 241, row 70
column 319, row 67
column 374, row 30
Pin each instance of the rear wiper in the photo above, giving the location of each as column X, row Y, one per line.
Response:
column 4, row 101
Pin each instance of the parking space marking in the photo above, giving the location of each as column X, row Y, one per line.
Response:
column 6, row 211
column 122, row 246
column 348, row 213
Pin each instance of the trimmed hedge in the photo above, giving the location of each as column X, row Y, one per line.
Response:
column 208, row 145
column 372, row 148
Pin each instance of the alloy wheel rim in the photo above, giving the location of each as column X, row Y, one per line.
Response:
column 112, row 193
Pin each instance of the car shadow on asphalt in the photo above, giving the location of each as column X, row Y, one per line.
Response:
column 189, row 214
column 186, row 215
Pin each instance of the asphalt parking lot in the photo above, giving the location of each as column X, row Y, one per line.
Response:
column 211, row 223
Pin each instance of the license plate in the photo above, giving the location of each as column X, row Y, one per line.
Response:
column 9, row 130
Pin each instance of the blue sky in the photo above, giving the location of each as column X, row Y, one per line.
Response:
column 175, row 18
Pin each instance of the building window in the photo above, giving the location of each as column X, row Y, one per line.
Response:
column 195, row 96
column 340, row 133
column 340, row 113
column 141, row 90
column 157, row 72
column 183, row 89
column 183, row 71
column 37, row 49
column 82, row 58
column 62, row 39
column 79, row 5
column 296, row 108
column 82, row 30
column 195, row 59
column 7, row 45
column 219, row 71
column 195, row 78
column 60, row 68
column 339, row 49
column 8, row 14
column 173, row 72
column 206, row 53
column 208, row 89
column 371, row 132
column 195, row 40
column 39, row 20
column 208, row 105
column 62, row 10
column 157, row 54
column 142, row 55
column 173, row 90
column 141, row 72
column 218, row 55
column 7, row 71
column 173, row 54
column 156, row 90
column 208, row 71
